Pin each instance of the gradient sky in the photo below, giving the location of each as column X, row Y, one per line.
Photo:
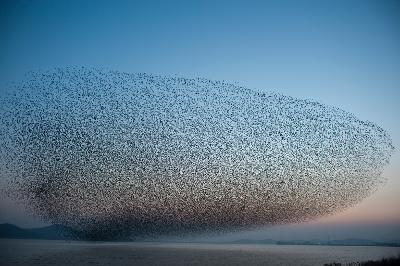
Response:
column 340, row 53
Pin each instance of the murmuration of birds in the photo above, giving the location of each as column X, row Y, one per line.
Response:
column 114, row 155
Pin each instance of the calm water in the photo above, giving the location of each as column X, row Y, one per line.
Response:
column 48, row 252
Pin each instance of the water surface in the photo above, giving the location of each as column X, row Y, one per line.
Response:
column 52, row 252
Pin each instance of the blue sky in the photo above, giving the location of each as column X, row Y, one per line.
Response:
column 341, row 53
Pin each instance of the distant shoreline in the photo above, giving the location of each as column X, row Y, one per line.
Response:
column 59, row 232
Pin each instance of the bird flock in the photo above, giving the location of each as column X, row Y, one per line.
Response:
column 115, row 155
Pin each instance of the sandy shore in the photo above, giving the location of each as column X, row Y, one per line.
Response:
column 44, row 252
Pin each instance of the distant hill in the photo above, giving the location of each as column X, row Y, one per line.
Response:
column 255, row 241
column 54, row 232
column 342, row 242
column 12, row 231
column 60, row 232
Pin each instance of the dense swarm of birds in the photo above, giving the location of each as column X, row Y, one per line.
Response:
column 115, row 155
